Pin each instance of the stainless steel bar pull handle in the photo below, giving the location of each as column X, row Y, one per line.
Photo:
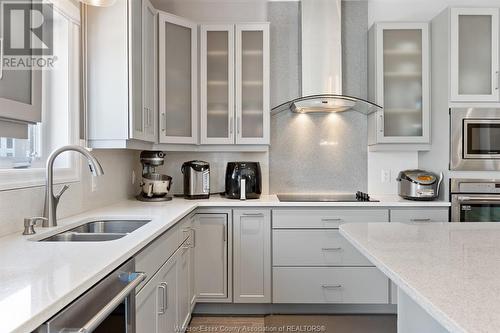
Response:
column 331, row 249
column 1, row 58
column 96, row 320
column 331, row 286
column 420, row 220
column 163, row 122
column 163, row 288
column 193, row 241
column 253, row 214
column 331, row 219
column 479, row 198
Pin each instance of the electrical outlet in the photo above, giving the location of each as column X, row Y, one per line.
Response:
column 386, row 176
column 133, row 177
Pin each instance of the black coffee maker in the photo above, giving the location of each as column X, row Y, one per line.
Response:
column 243, row 180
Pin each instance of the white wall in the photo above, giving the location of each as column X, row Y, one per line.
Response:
column 218, row 162
column 383, row 168
column 114, row 185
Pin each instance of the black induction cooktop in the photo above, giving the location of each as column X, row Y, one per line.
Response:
column 333, row 197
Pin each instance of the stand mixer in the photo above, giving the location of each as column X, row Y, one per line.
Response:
column 154, row 186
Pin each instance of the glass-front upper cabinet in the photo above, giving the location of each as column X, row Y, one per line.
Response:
column 234, row 81
column 20, row 90
column 252, row 84
column 177, row 86
column 474, row 54
column 400, row 82
column 217, row 84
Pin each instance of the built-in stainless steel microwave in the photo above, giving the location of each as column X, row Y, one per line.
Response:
column 475, row 139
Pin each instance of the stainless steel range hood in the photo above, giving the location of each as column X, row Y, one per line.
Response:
column 322, row 63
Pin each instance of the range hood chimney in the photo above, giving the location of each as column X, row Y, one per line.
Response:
column 321, row 54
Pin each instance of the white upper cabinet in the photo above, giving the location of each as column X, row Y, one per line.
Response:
column 400, row 82
column 178, row 54
column 252, row 84
column 234, row 83
column 474, row 54
column 145, row 126
column 20, row 95
column 121, row 76
column 143, row 89
column 217, row 84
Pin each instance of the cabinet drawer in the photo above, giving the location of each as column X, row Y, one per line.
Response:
column 326, row 219
column 318, row 247
column 419, row 215
column 156, row 254
column 350, row 285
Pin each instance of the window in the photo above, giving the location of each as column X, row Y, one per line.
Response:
column 23, row 157
column 21, row 153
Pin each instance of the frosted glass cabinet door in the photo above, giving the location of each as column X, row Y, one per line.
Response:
column 177, row 80
column 474, row 54
column 403, row 81
column 217, row 84
column 252, row 84
column 20, row 94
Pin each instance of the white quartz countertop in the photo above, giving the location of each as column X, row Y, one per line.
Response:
column 38, row 279
column 451, row 270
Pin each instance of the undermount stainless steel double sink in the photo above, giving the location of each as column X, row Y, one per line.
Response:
column 97, row 231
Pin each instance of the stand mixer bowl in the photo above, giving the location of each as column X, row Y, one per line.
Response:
column 155, row 184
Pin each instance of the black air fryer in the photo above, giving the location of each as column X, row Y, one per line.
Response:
column 243, row 180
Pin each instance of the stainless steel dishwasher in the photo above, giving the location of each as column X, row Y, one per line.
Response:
column 108, row 307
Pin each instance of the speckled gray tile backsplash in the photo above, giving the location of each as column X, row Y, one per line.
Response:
column 317, row 153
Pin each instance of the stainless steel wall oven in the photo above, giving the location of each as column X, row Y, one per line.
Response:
column 475, row 200
column 475, row 139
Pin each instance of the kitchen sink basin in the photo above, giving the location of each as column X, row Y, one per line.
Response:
column 75, row 237
column 109, row 227
column 98, row 231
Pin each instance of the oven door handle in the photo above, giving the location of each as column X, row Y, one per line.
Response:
column 479, row 198
column 96, row 320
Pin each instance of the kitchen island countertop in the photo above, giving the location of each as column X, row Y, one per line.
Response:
column 450, row 270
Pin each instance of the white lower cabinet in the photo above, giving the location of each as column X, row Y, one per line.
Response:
column 252, row 256
column 320, row 285
column 420, row 215
column 314, row 264
column 184, row 303
column 325, row 218
column 212, row 257
column 314, row 248
column 165, row 302
column 156, row 309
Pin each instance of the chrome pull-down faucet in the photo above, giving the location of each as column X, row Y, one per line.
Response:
column 51, row 200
